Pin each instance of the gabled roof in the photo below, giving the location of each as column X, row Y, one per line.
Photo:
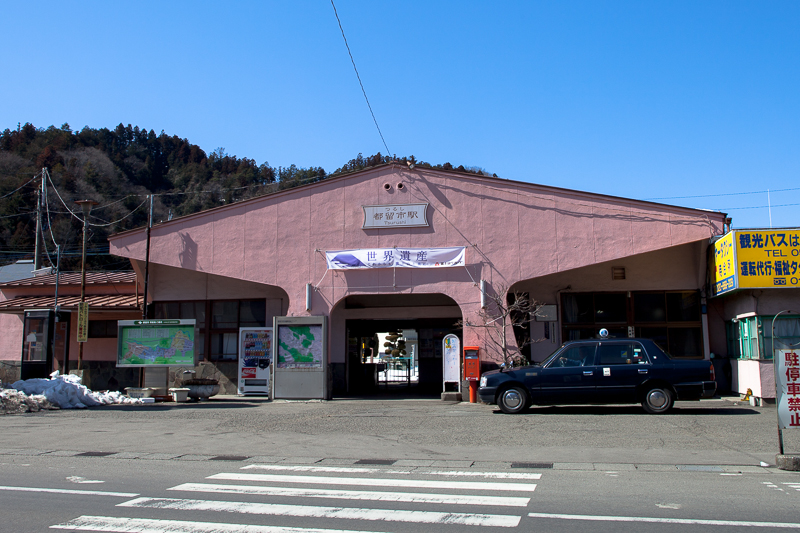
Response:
column 421, row 170
column 74, row 278
column 97, row 302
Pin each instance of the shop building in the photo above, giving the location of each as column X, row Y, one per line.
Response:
column 111, row 296
column 636, row 268
column 755, row 306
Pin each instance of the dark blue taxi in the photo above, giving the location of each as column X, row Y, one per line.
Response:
column 601, row 371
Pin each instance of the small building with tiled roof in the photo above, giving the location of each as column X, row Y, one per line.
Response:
column 111, row 296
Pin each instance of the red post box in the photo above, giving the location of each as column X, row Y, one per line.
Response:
column 472, row 370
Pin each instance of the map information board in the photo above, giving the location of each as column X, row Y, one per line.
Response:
column 300, row 346
column 155, row 343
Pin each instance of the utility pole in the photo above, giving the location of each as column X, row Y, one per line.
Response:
column 147, row 260
column 37, row 253
column 83, row 308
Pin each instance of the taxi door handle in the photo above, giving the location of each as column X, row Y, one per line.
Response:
column 587, row 372
column 643, row 371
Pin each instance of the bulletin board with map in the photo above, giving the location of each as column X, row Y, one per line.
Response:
column 149, row 343
column 300, row 346
column 300, row 355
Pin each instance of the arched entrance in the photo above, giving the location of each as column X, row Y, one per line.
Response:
column 414, row 324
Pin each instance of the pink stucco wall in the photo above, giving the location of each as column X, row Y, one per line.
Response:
column 11, row 339
column 11, row 325
column 513, row 232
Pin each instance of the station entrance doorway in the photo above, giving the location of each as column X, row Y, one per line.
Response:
column 415, row 372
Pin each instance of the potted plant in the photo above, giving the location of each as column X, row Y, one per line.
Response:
column 201, row 388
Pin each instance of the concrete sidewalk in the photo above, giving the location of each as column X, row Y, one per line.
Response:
column 719, row 435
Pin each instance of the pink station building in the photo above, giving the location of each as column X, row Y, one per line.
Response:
column 336, row 248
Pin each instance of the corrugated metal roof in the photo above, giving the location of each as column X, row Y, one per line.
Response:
column 74, row 278
column 97, row 302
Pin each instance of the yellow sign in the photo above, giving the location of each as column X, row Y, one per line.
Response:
column 724, row 274
column 768, row 258
column 83, row 322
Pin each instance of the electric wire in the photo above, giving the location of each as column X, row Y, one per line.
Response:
column 359, row 78
column 724, row 194
column 120, row 220
column 18, row 214
column 62, row 200
column 757, row 207
column 47, row 209
column 20, row 187
column 87, row 222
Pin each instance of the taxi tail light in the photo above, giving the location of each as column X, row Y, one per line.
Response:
column 713, row 373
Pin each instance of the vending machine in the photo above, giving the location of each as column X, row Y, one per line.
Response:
column 255, row 358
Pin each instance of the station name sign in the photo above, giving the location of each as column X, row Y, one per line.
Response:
column 394, row 216
column 756, row 259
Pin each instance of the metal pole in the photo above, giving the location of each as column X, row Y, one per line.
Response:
column 147, row 260
column 83, row 288
column 55, row 305
column 777, row 391
column 37, row 253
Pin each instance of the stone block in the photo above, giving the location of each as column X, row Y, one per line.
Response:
column 788, row 462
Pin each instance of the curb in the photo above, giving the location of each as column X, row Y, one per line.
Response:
column 788, row 462
column 412, row 464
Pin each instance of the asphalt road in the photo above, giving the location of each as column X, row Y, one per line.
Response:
column 595, row 468
column 707, row 432
column 175, row 495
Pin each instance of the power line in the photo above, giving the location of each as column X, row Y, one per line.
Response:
column 359, row 78
column 723, row 194
column 756, row 207
column 24, row 185
column 18, row 215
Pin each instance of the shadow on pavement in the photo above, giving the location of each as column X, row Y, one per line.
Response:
column 634, row 410
column 168, row 406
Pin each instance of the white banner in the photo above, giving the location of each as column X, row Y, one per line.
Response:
column 396, row 258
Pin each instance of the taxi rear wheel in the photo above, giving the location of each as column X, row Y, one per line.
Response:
column 513, row 400
column 658, row 400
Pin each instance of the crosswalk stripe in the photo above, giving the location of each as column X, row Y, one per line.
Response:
column 308, row 511
column 412, row 497
column 651, row 520
column 71, row 491
column 112, row 524
column 416, row 483
column 417, row 471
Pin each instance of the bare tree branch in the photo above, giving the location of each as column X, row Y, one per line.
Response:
column 506, row 312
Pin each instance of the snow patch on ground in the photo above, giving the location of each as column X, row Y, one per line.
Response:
column 13, row 401
column 59, row 391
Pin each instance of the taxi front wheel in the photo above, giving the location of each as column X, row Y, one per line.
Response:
column 513, row 400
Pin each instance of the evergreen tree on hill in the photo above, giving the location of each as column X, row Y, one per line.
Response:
column 118, row 168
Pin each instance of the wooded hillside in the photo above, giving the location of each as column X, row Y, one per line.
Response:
column 118, row 168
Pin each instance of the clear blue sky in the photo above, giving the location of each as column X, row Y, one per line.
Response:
column 644, row 99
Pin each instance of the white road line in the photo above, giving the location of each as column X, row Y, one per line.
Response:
column 407, row 497
column 71, row 491
column 145, row 525
column 359, row 481
column 690, row 521
column 360, row 470
column 309, row 511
